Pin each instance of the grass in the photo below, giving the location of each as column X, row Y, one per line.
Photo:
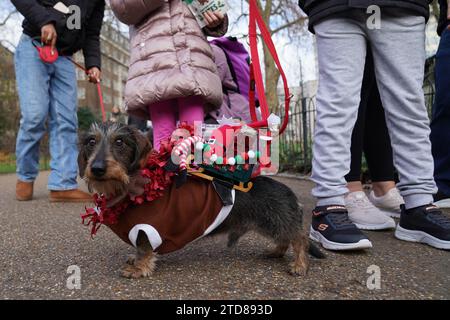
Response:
column 8, row 163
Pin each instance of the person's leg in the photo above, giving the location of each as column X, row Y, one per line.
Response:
column 378, row 153
column 377, row 143
column 399, row 56
column 440, row 124
column 353, row 178
column 63, row 126
column 341, row 46
column 190, row 109
column 33, row 88
column 360, row 210
column 164, row 119
column 380, row 188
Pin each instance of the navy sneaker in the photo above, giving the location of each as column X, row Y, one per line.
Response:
column 425, row 224
column 333, row 229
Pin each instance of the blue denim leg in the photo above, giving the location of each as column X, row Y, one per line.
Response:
column 63, row 126
column 46, row 92
column 440, row 124
column 33, row 81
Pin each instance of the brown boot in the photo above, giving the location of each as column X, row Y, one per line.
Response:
column 24, row 190
column 74, row 195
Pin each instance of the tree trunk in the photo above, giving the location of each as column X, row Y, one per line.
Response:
column 272, row 77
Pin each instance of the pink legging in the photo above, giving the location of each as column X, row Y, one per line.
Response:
column 164, row 116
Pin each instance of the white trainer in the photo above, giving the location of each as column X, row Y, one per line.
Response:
column 389, row 203
column 443, row 204
column 365, row 215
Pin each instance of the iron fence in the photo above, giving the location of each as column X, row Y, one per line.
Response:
column 296, row 141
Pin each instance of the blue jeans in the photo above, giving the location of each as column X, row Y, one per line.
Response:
column 47, row 94
column 440, row 123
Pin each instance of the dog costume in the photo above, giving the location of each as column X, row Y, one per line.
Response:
column 171, row 224
column 171, row 216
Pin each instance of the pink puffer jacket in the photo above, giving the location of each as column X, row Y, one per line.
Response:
column 170, row 55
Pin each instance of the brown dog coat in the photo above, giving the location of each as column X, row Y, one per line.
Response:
column 179, row 217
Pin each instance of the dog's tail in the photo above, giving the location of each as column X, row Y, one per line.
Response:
column 315, row 251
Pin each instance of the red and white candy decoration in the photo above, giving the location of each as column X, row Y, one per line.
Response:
column 183, row 149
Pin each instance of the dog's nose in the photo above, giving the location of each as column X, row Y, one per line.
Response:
column 98, row 168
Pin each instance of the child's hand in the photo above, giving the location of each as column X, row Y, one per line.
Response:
column 213, row 19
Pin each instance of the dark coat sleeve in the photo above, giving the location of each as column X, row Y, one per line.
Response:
column 34, row 12
column 91, row 46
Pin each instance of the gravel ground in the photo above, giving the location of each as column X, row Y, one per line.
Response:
column 40, row 240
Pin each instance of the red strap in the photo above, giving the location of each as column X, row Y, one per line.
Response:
column 253, row 12
column 255, row 19
column 102, row 105
column 252, row 95
column 99, row 89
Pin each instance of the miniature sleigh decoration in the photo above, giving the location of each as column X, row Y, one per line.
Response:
column 232, row 152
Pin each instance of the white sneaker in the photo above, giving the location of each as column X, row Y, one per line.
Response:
column 365, row 215
column 442, row 201
column 389, row 203
column 443, row 204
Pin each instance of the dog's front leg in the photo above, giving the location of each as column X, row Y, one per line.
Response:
column 143, row 264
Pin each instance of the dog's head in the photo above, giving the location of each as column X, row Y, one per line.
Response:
column 109, row 154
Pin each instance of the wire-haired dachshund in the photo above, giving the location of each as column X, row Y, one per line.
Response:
column 111, row 153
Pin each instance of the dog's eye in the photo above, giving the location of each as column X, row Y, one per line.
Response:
column 119, row 142
column 92, row 142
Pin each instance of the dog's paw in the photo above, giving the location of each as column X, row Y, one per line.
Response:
column 134, row 272
column 298, row 270
column 131, row 260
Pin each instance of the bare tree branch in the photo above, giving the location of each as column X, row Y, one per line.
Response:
column 283, row 18
column 289, row 24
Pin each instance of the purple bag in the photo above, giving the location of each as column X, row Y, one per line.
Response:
column 238, row 60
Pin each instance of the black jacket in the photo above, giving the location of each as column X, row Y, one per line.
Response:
column 38, row 13
column 320, row 9
column 443, row 21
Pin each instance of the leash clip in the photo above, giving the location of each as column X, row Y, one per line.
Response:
column 46, row 53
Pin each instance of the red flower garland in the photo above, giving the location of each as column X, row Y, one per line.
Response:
column 160, row 180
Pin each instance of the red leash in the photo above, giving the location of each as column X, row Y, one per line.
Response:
column 99, row 89
column 255, row 19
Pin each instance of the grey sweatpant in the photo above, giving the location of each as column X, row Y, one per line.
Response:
column 399, row 55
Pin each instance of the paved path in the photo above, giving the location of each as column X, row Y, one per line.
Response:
column 39, row 241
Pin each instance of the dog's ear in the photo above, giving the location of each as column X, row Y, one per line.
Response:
column 143, row 147
column 82, row 157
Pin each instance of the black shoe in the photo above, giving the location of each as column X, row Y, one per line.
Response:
column 441, row 200
column 425, row 224
column 333, row 229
